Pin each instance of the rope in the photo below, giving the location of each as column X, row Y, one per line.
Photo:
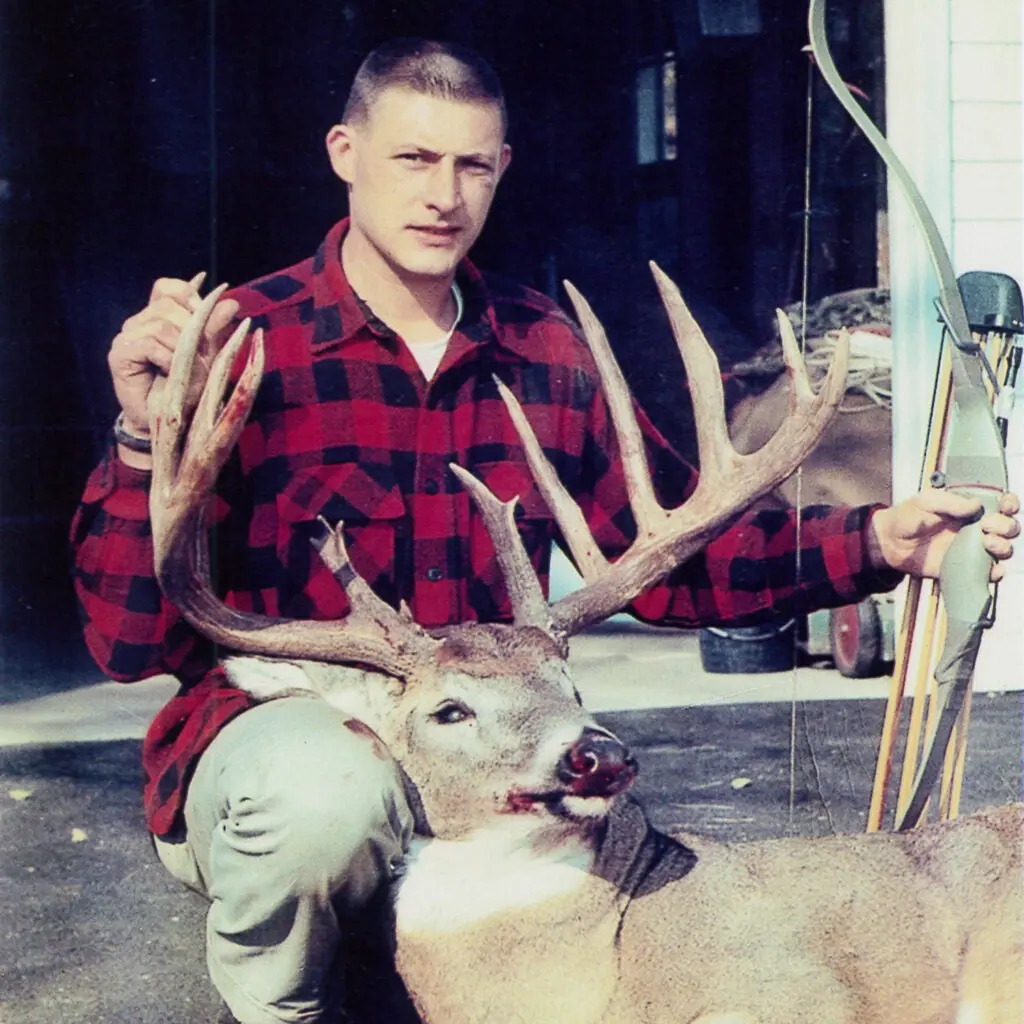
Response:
column 870, row 373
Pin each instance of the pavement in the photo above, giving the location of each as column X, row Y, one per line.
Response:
column 94, row 932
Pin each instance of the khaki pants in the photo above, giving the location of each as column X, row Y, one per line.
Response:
column 293, row 822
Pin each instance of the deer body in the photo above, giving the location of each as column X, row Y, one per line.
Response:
column 917, row 928
column 576, row 911
column 540, row 893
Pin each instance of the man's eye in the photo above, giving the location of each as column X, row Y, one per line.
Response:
column 451, row 713
column 411, row 158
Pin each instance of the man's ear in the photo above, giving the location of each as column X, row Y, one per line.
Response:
column 341, row 151
column 504, row 160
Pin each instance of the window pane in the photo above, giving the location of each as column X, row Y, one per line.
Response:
column 648, row 119
column 668, row 93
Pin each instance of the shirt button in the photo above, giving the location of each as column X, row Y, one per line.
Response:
column 431, row 487
column 434, row 574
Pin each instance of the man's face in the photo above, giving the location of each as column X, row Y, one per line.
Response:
column 422, row 172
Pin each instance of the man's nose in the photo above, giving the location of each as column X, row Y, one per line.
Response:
column 444, row 191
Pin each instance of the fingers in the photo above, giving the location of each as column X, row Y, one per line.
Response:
column 163, row 318
column 145, row 345
column 216, row 327
column 947, row 504
column 998, row 525
column 185, row 293
column 1009, row 504
column 997, row 546
column 998, row 531
column 147, row 353
column 171, row 303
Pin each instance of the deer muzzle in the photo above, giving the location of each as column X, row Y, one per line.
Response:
column 597, row 764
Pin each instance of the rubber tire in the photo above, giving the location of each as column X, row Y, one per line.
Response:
column 748, row 649
column 855, row 638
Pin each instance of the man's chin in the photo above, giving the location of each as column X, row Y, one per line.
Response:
column 417, row 259
column 430, row 267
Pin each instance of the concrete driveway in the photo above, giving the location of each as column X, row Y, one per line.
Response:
column 94, row 932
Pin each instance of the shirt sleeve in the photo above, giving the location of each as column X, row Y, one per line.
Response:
column 130, row 628
column 771, row 562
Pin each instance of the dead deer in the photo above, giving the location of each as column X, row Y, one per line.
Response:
column 539, row 893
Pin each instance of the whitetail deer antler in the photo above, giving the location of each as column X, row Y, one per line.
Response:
column 529, row 605
column 192, row 438
column 729, row 482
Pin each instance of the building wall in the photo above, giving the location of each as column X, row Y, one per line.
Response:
column 955, row 111
column 987, row 111
column 988, row 230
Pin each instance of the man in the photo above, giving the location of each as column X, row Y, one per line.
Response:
column 380, row 356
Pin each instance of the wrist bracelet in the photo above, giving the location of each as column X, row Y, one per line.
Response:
column 132, row 441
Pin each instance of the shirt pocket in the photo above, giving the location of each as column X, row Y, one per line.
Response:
column 366, row 499
column 488, row 593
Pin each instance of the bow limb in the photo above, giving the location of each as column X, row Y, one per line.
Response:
column 975, row 463
column 969, row 602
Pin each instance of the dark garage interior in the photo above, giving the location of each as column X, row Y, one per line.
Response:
column 144, row 140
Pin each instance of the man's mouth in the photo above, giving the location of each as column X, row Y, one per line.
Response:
column 436, row 234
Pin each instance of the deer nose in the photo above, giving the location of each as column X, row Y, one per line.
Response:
column 597, row 764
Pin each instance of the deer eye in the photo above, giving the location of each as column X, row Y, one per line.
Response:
column 451, row 712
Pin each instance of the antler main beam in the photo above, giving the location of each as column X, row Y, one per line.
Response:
column 729, row 482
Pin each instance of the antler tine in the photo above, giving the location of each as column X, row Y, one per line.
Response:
column 800, row 390
column 176, row 394
column 647, row 511
column 585, row 552
column 529, row 605
column 715, row 453
column 168, row 415
column 205, row 418
column 729, row 482
column 373, row 633
column 363, row 602
column 181, row 480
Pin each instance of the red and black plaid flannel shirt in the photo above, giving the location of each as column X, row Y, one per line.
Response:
column 346, row 427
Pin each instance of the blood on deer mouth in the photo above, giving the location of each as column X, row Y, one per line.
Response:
column 583, row 798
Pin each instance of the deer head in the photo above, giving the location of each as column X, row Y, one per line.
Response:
column 484, row 718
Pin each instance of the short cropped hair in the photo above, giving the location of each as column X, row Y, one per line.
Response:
column 441, row 69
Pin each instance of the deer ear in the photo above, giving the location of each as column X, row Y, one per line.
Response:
column 267, row 679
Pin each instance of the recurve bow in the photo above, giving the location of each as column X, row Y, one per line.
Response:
column 975, row 463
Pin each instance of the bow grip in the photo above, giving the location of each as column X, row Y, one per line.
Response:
column 967, row 592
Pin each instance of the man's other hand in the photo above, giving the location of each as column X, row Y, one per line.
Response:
column 915, row 535
column 140, row 355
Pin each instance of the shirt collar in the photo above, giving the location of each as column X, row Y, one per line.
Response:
column 340, row 314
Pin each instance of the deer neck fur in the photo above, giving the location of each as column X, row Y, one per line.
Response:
column 475, row 917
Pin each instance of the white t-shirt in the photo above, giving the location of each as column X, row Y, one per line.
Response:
column 428, row 354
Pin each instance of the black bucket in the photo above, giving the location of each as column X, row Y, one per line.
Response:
column 768, row 647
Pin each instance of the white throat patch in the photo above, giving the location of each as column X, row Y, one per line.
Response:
column 451, row 884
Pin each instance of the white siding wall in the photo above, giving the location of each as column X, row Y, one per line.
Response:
column 985, row 82
column 918, row 126
column 988, row 189
column 955, row 114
